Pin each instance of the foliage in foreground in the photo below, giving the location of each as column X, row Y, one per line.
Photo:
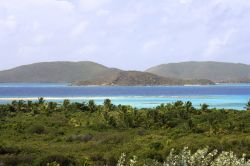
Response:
column 201, row 157
column 37, row 133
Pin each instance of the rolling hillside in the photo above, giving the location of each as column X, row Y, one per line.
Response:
column 93, row 73
column 86, row 73
column 136, row 78
column 215, row 71
column 55, row 72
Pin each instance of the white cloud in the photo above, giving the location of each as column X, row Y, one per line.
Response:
column 79, row 29
column 116, row 32
column 26, row 52
column 87, row 50
column 102, row 12
column 215, row 45
column 151, row 46
column 36, row 25
column 41, row 38
column 185, row 2
column 9, row 22
column 89, row 5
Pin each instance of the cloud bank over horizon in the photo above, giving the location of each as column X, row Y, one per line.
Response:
column 132, row 34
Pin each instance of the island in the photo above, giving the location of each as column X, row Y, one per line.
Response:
column 137, row 78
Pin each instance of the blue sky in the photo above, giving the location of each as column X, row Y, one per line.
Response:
column 128, row 34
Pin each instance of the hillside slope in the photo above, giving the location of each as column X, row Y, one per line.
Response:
column 136, row 78
column 215, row 71
column 55, row 72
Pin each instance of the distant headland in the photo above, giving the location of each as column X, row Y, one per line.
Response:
column 90, row 73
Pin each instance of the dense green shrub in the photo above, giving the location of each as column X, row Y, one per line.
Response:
column 156, row 146
column 37, row 129
column 80, row 138
column 60, row 159
column 98, row 134
column 16, row 160
column 9, row 150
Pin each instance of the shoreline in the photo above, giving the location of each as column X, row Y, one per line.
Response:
column 111, row 97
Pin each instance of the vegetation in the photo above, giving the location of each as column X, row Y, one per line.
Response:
column 136, row 78
column 68, row 133
column 55, row 72
column 214, row 71
column 201, row 157
column 248, row 106
column 87, row 73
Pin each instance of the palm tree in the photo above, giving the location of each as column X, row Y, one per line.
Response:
column 21, row 105
column 107, row 105
column 248, row 106
column 178, row 104
column 29, row 105
column 41, row 101
column 107, row 108
column 14, row 105
column 204, row 107
column 189, row 106
column 66, row 104
column 91, row 106
column 52, row 106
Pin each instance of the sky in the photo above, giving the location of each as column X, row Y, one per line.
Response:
column 127, row 34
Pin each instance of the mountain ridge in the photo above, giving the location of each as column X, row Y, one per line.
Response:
column 59, row 71
column 215, row 71
column 83, row 71
column 138, row 78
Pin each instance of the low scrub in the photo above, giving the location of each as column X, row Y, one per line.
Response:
column 202, row 157
column 80, row 138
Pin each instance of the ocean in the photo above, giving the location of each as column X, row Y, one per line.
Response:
column 228, row 96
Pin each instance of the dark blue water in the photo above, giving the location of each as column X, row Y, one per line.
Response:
column 220, row 96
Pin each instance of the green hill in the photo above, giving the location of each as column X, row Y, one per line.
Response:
column 55, row 72
column 86, row 73
column 215, row 71
column 136, row 78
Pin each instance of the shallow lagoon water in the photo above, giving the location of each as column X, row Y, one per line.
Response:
column 228, row 96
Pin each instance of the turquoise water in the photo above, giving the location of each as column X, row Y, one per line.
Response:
column 232, row 96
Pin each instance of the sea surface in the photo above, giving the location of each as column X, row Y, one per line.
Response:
column 228, row 96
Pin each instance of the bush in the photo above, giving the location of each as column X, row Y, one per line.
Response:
column 61, row 160
column 9, row 150
column 16, row 160
column 80, row 138
column 141, row 133
column 59, row 133
column 202, row 157
column 99, row 126
column 113, row 139
column 111, row 161
column 37, row 129
column 155, row 156
column 98, row 160
column 156, row 146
